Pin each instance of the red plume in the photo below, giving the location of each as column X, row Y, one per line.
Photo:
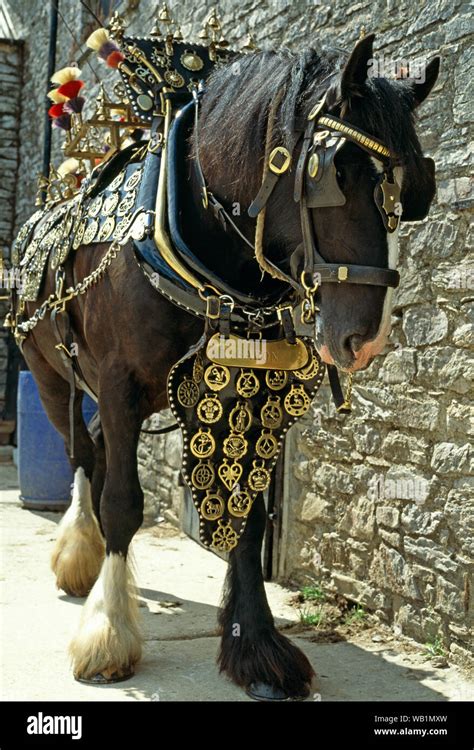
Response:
column 71, row 88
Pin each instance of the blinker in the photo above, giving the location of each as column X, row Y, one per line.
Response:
column 322, row 188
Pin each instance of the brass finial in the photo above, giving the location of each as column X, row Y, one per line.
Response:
column 164, row 15
column 362, row 32
column 117, row 26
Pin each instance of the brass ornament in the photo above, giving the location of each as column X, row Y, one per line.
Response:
column 276, row 379
column 239, row 504
column 90, row 233
column 235, row 446
column 209, row 410
column 191, row 60
column 297, row 401
column 133, row 180
column 117, row 181
column 202, row 444
column 259, row 477
column 110, row 204
column 216, row 377
column 271, row 413
column 247, row 384
column 126, row 204
column 198, row 369
column 106, row 229
column 310, row 370
column 145, row 102
column 240, row 417
column 224, row 538
column 203, row 475
column 267, row 445
column 95, row 206
column 229, row 474
column 174, row 78
column 212, row 507
column 187, row 392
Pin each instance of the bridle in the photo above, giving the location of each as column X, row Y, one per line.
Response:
column 315, row 186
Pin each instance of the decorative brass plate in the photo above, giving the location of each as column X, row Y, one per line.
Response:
column 279, row 355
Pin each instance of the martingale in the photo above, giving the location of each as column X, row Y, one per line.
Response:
column 233, row 420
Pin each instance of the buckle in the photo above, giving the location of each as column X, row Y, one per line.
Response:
column 274, row 167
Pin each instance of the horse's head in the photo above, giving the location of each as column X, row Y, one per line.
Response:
column 354, row 319
column 348, row 218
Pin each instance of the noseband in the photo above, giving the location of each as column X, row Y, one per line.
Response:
column 315, row 186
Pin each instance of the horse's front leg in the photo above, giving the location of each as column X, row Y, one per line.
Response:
column 108, row 642
column 253, row 653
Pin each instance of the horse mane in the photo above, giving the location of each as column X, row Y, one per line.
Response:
column 238, row 97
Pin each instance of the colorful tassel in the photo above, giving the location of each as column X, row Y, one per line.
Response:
column 55, row 97
column 114, row 59
column 63, row 122
column 97, row 39
column 56, row 110
column 107, row 50
column 71, row 88
column 74, row 105
column 71, row 73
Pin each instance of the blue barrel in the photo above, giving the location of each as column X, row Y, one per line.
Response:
column 44, row 472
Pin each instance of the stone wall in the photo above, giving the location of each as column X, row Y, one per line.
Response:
column 11, row 58
column 378, row 505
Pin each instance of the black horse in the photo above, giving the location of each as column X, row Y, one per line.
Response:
column 129, row 336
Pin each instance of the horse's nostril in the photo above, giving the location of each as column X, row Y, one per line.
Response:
column 355, row 342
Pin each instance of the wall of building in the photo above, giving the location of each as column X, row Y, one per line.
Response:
column 379, row 504
column 11, row 59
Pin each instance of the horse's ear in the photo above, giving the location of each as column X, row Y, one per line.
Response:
column 354, row 74
column 418, row 190
column 421, row 90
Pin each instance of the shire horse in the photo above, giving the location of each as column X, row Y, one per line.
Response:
column 129, row 336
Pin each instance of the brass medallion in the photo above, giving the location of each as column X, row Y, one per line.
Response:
column 212, row 507
column 133, row 180
column 229, row 474
column 240, row 417
column 203, row 475
column 247, row 384
column 187, row 392
column 110, row 204
column 209, row 410
column 198, row 368
column 239, row 504
column 191, row 60
column 90, row 233
column 77, row 241
column 271, row 412
column 202, row 444
column 235, row 446
column 106, row 229
column 174, row 78
column 216, row 377
column 224, row 538
column 276, row 379
column 95, row 206
column 126, row 204
column 267, row 445
column 297, row 401
column 117, row 181
column 145, row 102
column 259, row 477
column 310, row 370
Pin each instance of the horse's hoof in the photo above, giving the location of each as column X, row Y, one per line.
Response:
column 107, row 679
column 260, row 691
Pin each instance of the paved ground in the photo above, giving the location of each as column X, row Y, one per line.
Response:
column 180, row 586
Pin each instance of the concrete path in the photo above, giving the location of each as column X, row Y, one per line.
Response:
column 180, row 587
